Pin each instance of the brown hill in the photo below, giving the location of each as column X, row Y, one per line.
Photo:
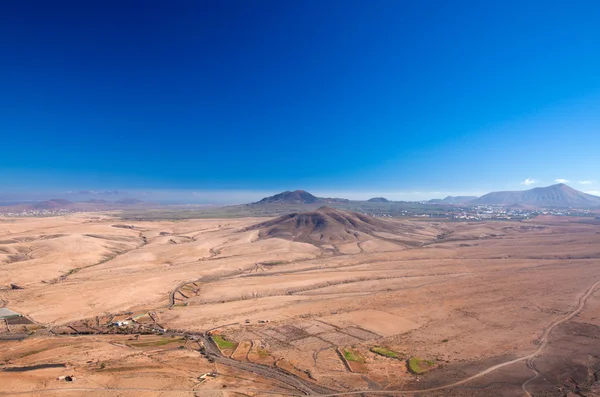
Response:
column 326, row 225
column 52, row 204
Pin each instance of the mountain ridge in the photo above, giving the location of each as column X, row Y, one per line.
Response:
column 559, row 195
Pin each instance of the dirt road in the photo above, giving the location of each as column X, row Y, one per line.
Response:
column 309, row 388
column 305, row 387
column 543, row 342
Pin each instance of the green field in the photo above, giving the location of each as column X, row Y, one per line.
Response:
column 419, row 366
column 223, row 343
column 352, row 355
column 385, row 352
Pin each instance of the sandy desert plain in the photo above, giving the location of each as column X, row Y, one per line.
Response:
column 326, row 303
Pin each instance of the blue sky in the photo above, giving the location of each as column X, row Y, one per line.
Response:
column 233, row 99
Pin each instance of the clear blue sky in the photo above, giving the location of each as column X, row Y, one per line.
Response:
column 329, row 96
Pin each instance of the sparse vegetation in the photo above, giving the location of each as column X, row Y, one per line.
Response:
column 262, row 352
column 159, row 342
column 394, row 209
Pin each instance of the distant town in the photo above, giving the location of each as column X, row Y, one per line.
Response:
column 38, row 213
column 413, row 209
column 483, row 212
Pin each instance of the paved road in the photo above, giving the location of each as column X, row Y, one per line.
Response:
column 306, row 387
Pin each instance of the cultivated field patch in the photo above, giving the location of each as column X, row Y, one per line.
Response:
column 383, row 351
column 311, row 343
column 354, row 359
column 241, row 351
column 418, row 365
column 259, row 354
column 227, row 347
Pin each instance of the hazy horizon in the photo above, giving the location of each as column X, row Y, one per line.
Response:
column 224, row 197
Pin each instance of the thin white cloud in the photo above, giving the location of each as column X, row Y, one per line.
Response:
column 587, row 182
column 529, row 181
column 561, row 180
column 594, row 192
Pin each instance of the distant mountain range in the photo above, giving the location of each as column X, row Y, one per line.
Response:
column 52, row 204
column 555, row 196
column 559, row 195
column 453, row 200
column 62, row 204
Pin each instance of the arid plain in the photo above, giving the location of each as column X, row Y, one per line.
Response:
column 325, row 303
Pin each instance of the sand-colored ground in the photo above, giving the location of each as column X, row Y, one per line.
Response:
column 464, row 296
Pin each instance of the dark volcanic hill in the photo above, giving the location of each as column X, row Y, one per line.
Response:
column 295, row 197
column 378, row 200
column 324, row 226
column 299, row 197
column 52, row 204
column 559, row 195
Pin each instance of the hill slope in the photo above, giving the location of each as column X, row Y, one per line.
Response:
column 327, row 225
column 559, row 195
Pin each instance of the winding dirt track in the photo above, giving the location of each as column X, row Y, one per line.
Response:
column 546, row 336
column 313, row 389
column 530, row 358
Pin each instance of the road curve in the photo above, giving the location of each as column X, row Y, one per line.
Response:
column 583, row 297
column 545, row 339
column 310, row 388
column 305, row 387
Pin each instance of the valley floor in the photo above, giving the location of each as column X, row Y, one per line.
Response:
column 213, row 307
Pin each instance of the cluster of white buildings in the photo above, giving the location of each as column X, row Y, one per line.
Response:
column 32, row 213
